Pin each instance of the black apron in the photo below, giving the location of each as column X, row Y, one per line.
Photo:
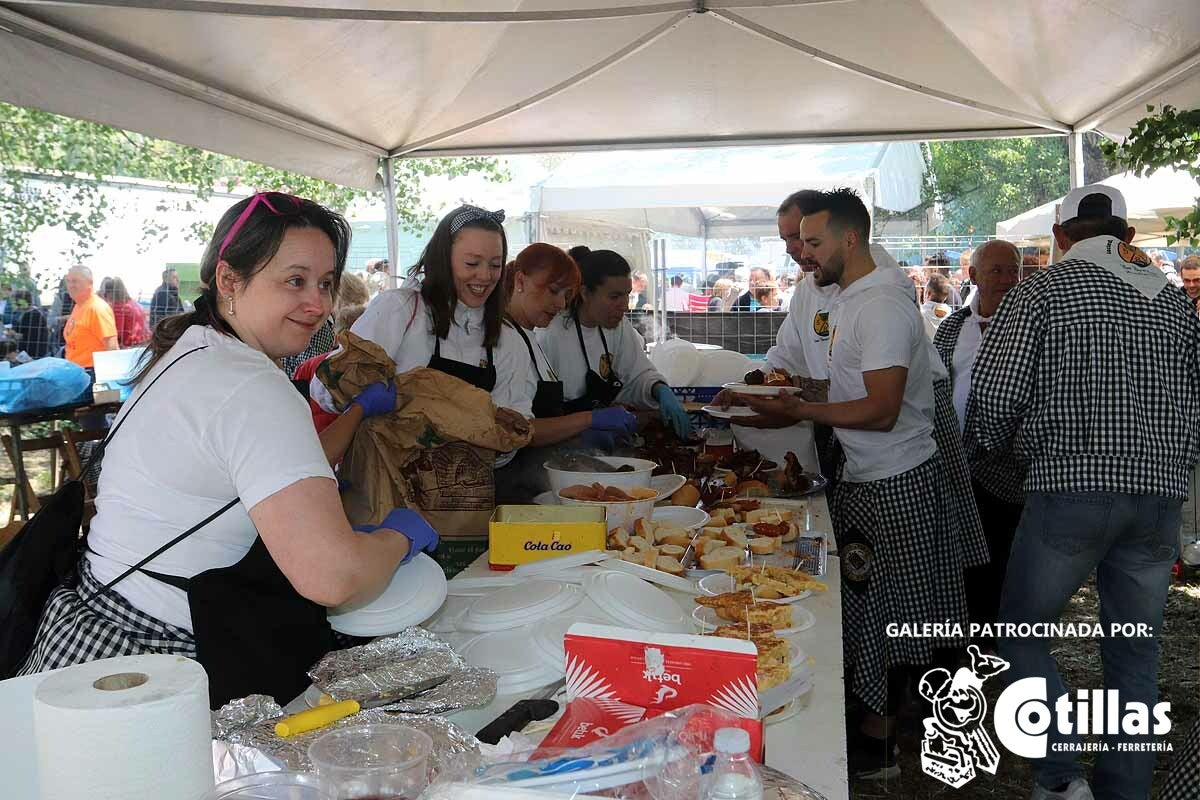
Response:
column 548, row 399
column 479, row 377
column 521, row 480
column 599, row 392
column 255, row 634
column 455, row 555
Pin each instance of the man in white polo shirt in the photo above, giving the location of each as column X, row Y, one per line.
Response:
column 902, row 559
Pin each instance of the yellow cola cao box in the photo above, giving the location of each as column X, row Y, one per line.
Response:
column 521, row 534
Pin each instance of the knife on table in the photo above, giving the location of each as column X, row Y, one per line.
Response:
column 319, row 717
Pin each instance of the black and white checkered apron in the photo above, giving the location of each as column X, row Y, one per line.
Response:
column 70, row 632
column 960, row 496
column 1184, row 780
column 901, row 562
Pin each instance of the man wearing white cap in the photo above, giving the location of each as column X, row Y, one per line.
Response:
column 1090, row 371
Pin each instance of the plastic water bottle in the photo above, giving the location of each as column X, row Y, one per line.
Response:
column 734, row 775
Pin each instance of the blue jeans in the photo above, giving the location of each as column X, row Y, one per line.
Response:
column 1131, row 541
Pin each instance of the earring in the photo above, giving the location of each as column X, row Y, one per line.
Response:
column 229, row 299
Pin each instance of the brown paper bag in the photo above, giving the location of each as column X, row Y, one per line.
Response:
column 435, row 453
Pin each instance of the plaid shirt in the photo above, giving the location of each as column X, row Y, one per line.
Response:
column 999, row 472
column 1092, row 384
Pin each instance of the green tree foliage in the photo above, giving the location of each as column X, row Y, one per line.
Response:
column 51, row 168
column 1169, row 138
column 979, row 183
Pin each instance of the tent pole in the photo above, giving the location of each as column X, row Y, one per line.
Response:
column 389, row 204
column 1075, row 158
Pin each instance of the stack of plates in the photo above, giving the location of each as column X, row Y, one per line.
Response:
column 525, row 604
column 519, row 665
column 415, row 593
column 548, row 636
column 633, row 603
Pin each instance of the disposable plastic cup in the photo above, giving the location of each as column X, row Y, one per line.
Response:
column 274, row 786
column 373, row 762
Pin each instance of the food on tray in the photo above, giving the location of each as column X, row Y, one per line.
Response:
column 752, row 632
column 686, row 495
column 771, row 675
column 599, row 493
column 724, row 557
column 669, row 564
column 788, row 582
column 747, row 464
column 574, row 461
column 675, row 551
column 733, row 536
column 764, row 545
column 755, row 377
column 778, row 377
column 770, row 514
column 771, row 529
column 653, row 546
column 743, row 606
column 739, row 598
column 753, row 489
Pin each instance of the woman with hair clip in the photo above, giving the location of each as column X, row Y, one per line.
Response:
column 539, row 284
column 453, row 320
column 222, row 449
column 597, row 353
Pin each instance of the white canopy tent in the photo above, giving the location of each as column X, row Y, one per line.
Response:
column 740, row 187
column 332, row 87
column 1149, row 200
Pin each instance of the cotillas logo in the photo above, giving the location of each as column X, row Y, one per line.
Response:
column 956, row 744
column 955, row 741
column 1024, row 717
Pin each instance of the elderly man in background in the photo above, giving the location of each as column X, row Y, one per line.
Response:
column 1189, row 271
column 996, row 479
column 91, row 326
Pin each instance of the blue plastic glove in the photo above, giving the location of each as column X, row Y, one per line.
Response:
column 378, row 398
column 411, row 525
column 614, row 419
column 593, row 439
column 671, row 411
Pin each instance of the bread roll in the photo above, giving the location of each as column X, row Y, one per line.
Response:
column 620, row 537
column 736, row 537
column 725, row 558
column 677, row 539
column 764, row 545
column 665, row 532
column 703, row 543
column 686, row 495
column 649, row 557
column 638, row 543
column 769, row 514
column 669, row 565
column 644, row 528
column 753, row 489
column 793, row 533
column 672, row 550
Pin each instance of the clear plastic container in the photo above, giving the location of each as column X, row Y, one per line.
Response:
column 734, row 775
column 373, row 762
column 274, row 786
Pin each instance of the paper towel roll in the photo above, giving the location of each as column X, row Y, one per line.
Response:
column 123, row 728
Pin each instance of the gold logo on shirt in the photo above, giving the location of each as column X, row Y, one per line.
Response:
column 821, row 324
column 1133, row 255
column 606, row 368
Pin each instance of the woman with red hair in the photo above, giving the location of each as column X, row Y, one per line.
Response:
column 540, row 282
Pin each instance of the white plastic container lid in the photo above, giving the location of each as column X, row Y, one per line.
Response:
column 549, row 567
column 523, row 604
column 633, row 602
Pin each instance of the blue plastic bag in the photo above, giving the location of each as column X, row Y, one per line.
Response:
column 44, row 383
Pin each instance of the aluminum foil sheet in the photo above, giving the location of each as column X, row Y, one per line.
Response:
column 257, row 732
column 408, row 657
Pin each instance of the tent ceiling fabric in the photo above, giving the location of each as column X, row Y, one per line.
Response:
column 325, row 86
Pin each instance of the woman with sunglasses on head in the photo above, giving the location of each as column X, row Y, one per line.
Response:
column 597, row 353
column 221, row 444
column 540, row 283
column 452, row 320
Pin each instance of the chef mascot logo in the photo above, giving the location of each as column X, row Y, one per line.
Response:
column 956, row 742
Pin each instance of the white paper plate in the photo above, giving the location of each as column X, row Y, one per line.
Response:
column 722, row 583
column 548, row 635
column 790, row 710
column 799, row 683
column 513, row 656
column 553, row 566
column 692, row 519
column 524, row 604
column 462, row 586
column 667, row 485
column 741, row 387
column 546, row 499
column 634, row 602
column 733, row 412
column 708, row 621
column 416, row 591
column 653, row 575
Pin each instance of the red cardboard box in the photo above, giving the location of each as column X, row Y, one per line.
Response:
column 627, row 676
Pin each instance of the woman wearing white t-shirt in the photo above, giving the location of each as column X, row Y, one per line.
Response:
column 223, row 443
